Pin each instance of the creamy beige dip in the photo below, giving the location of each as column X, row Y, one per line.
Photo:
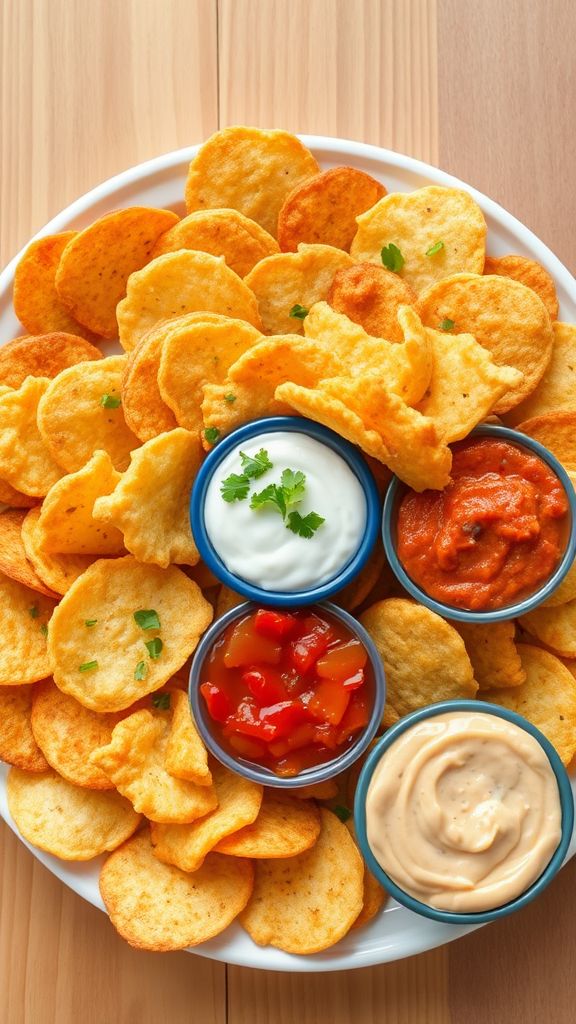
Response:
column 463, row 811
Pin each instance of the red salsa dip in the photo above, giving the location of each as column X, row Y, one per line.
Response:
column 289, row 691
column 493, row 535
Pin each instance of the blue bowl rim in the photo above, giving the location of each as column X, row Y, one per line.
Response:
column 396, row 489
column 356, row 462
column 566, row 803
column 311, row 775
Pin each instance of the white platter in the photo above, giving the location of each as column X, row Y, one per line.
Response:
column 397, row 932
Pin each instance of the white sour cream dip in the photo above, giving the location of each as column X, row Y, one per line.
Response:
column 256, row 545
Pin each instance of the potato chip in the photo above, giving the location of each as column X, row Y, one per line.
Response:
column 182, row 282
column 186, row 756
column 65, row 820
column 293, row 279
column 13, row 561
column 66, row 524
column 43, row 356
column 547, row 698
column 555, row 627
column 528, row 272
column 248, row 169
column 439, row 232
column 81, row 413
column 370, row 295
column 504, row 316
column 107, row 667
column 355, row 592
column 58, row 572
column 134, row 760
column 306, row 903
column 150, row 503
column 557, row 388
column 36, row 301
column 204, row 576
column 186, row 846
column 424, row 657
column 566, row 591
column 145, row 411
column 557, row 432
column 67, row 733
column 285, row 827
column 228, row 233
column 95, row 265
column 323, row 209
column 17, row 744
column 157, row 907
column 493, row 654
column 25, row 615
column 318, row 790
column 13, row 498
column 26, row 462
column 227, row 599
column 373, row 896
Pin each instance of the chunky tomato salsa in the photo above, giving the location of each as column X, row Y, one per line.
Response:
column 288, row 691
column 491, row 537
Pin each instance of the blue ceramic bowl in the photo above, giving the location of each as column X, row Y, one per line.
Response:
column 396, row 492
column 257, row 772
column 566, row 802
column 356, row 462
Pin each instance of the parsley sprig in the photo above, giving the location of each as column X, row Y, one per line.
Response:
column 392, row 258
column 236, row 486
column 280, row 497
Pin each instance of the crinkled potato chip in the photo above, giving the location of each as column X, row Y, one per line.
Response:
column 151, row 501
column 81, row 413
column 186, row 756
column 13, row 560
column 504, row 316
column 556, row 431
column 323, row 209
column 66, row 523
column 493, row 654
column 182, row 282
column 439, row 232
column 318, row 790
column 307, row 903
column 145, row 411
column 370, row 295
column 424, row 656
column 25, row 616
column 134, row 760
column 26, row 462
column 13, row 498
column 228, row 233
column 285, row 827
column 97, row 262
column 157, row 907
column 36, row 301
column 566, row 591
column 186, row 846
column 294, row 279
column 57, row 571
column 17, row 744
column 107, row 666
column 557, row 388
column 65, row 820
column 528, row 272
column 248, row 169
column 43, row 356
column 555, row 627
column 547, row 698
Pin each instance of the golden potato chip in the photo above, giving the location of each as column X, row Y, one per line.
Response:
column 150, row 503
column 13, row 561
column 504, row 316
column 58, row 572
column 186, row 846
column 566, row 591
column 493, row 654
column 306, row 903
column 66, row 523
column 43, row 356
column 26, row 461
column 23, row 651
column 145, row 411
column 528, row 272
column 285, row 827
column 555, row 627
column 17, row 744
column 134, row 760
column 186, row 756
column 36, row 301
column 547, row 698
column 323, row 209
column 65, row 820
column 228, row 233
column 373, row 896
column 370, row 295
column 557, row 388
column 107, row 666
column 204, row 576
column 227, row 599
column 182, row 282
column 293, row 279
column 424, row 657
column 157, row 907
column 248, row 169
column 97, row 262
column 355, row 592
column 81, row 412
column 438, row 231
column 15, row 499
column 556, row 431
column 319, row 790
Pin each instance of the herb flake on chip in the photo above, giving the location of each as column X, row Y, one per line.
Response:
column 342, row 812
column 235, row 487
column 447, row 325
column 230, row 399
column 147, row 618
column 44, row 629
column 437, row 247
column 154, row 647
column 90, row 622
column 211, row 434
column 141, row 670
column 298, row 312
column 392, row 258
column 88, row 666
column 110, row 401
column 161, row 701
column 34, row 611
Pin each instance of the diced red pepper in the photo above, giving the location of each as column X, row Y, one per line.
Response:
column 356, row 717
column 247, row 746
column 310, row 645
column 342, row 661
column 326, row 735
column 246, row 647
column 265, row 685
column 284, row 717
column 248, row 721
column 274, row 625
column 219, row 705
column 329, row 702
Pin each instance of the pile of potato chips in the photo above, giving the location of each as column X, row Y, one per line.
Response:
column 286, row 289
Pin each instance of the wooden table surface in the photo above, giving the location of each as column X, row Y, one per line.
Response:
column 485, row 89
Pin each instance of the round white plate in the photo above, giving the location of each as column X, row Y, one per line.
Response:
column 396, row 932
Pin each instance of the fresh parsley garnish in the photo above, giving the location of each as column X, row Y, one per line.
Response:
column 141, row 670
column 154, row 647
column 254, row 466
column 44, row 629
column 34, row 611
column 293, row 486
column 298, row 312
column 272, row 496
column 110, row 401
column 147, row 618
column 230, row 399
column 435, row 248
column 392, row 258
column 161, row 701
column 304, row 526
column 342, row 812
column 88, row 666
column 211, row 434
column 90, row 622
column 447, row 325
column 282, row 496
column 235, row 487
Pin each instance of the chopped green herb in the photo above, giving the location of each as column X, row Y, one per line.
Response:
column 254, row 466
column 272, row 496
column 447, row 325
column 147, row 618
column 88, row 666
column 392, row 258
column 304, row 526
column 230, row 399
column 141, row 670
column 161, row 701
column 211, row 434
column 34, row 611
column 435, row 248
column 90, row 622
column 110, row 401
column 342, row 812
column 44, row 629
column 154, row 647
column 235, row 487
column 298, row 312
column 293, row 486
